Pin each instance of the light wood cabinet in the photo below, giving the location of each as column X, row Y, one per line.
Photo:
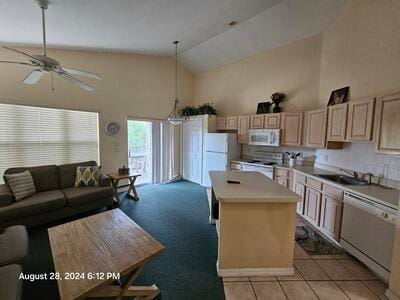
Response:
column 256, row 121
column 243, row 129
column 312, row 206
column 284, row 177
column 232, row 123
column 292, row 129
column 315, row 133
column 236, row 166
column 387, row 137
column 272, row 121
column 360, row 120
column 337, row 122
column 300, row 189
column 221, row 123
column 331, row 216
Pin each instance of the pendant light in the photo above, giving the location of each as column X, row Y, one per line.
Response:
column 175, row 117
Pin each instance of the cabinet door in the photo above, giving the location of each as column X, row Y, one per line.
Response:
column 312, row 206
column 331, row 216
column 292, row 129
column 360, row 121
column 243, row 129
column 300, row 189
column 272, row 121
column 387, row 138
column 232, row 123
column 282, row 181
column 196, row 151
column 221, row 123
column 257, row 121
column 337, row 121
column 316, row 121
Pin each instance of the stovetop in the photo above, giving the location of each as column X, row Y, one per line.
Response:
column 259, row 162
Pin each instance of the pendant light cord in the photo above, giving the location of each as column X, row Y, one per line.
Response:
column 44, row 32
column 176, row 69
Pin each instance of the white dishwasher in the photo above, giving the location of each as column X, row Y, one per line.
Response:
column 368, row 230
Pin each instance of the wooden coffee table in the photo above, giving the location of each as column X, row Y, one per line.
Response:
column 90, row 253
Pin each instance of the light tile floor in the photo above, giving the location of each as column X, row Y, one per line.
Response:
column 324, row 277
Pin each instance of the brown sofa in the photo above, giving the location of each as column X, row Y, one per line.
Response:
column 56, row 196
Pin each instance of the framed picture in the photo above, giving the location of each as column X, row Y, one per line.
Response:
column 339, row 96
column 263, row 107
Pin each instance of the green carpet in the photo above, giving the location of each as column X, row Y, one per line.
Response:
column 177, row 216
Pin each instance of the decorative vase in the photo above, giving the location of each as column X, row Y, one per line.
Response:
column 277, row 108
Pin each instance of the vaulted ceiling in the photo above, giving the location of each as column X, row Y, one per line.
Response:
column 150, row 26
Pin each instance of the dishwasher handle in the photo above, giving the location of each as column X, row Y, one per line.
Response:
column 370, row 208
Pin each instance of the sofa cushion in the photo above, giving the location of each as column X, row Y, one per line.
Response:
column 45, row 177
column 81, row 195
column 68, row 173
column 20, row 184
column 35, row 204
column 6, row 197
column 10, row 284
column 13, row 245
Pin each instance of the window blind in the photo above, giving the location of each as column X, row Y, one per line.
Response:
column 32, row 136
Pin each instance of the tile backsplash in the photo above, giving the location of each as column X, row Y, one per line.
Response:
column 358, row 157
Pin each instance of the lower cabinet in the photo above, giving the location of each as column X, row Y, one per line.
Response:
column 312, row 206
column 331, row 216
column 300, row 190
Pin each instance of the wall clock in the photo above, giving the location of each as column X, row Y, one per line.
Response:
column 112, row 128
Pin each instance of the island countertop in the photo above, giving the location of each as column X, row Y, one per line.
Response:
column 253, row 187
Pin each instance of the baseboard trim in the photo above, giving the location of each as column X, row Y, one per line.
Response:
column 254, row 272
column 391, row 295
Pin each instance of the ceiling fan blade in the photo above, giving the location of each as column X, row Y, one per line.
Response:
column 83, row 73
column 75, row 81
column 21, row 52
column 16, row 62
column 33, row 77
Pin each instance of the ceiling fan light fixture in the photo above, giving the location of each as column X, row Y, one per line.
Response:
column 175, row 117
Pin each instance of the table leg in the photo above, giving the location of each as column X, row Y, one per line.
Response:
column 126, row 290
column 132, row 190
column 115, row 191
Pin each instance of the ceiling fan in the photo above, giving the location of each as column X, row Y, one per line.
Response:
column 44, row 64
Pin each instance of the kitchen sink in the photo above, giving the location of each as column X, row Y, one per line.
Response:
column 342, row 179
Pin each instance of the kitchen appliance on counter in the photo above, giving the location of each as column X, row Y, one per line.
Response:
column 221, row 148
column 368, row 230
column 264, row 137
column 263, row 163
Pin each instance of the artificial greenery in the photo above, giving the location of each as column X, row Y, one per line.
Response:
column 204, row 109
column 277, row 97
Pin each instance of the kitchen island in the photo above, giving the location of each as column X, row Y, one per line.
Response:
column 256, row 224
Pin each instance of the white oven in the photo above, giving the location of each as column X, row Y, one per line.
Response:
column 266, row 170
column 264, row 137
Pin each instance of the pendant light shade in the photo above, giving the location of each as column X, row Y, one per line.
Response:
column 175, row 117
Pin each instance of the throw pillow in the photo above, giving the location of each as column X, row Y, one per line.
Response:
column 87, row 176
column 20, row 184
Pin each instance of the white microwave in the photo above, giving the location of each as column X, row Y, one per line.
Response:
column 264, row 137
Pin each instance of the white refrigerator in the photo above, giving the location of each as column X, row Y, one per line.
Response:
column 220, row 149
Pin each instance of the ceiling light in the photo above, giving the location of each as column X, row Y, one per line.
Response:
column 175, row 117
column 232, row 23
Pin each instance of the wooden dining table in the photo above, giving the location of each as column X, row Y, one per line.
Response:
column 116, row 178
column 101, row 256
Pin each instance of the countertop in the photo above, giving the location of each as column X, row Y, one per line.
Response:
column 385, row 196
column 254, row 187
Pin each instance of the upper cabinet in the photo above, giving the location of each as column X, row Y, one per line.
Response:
column 256, row 121
column 232, row 123
column 315, row 129
column 387, row 128
column 221, row 123
column 243, row 129
column 360, row 120
column 337, row 122
column 272, row 121
column 292, row 128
